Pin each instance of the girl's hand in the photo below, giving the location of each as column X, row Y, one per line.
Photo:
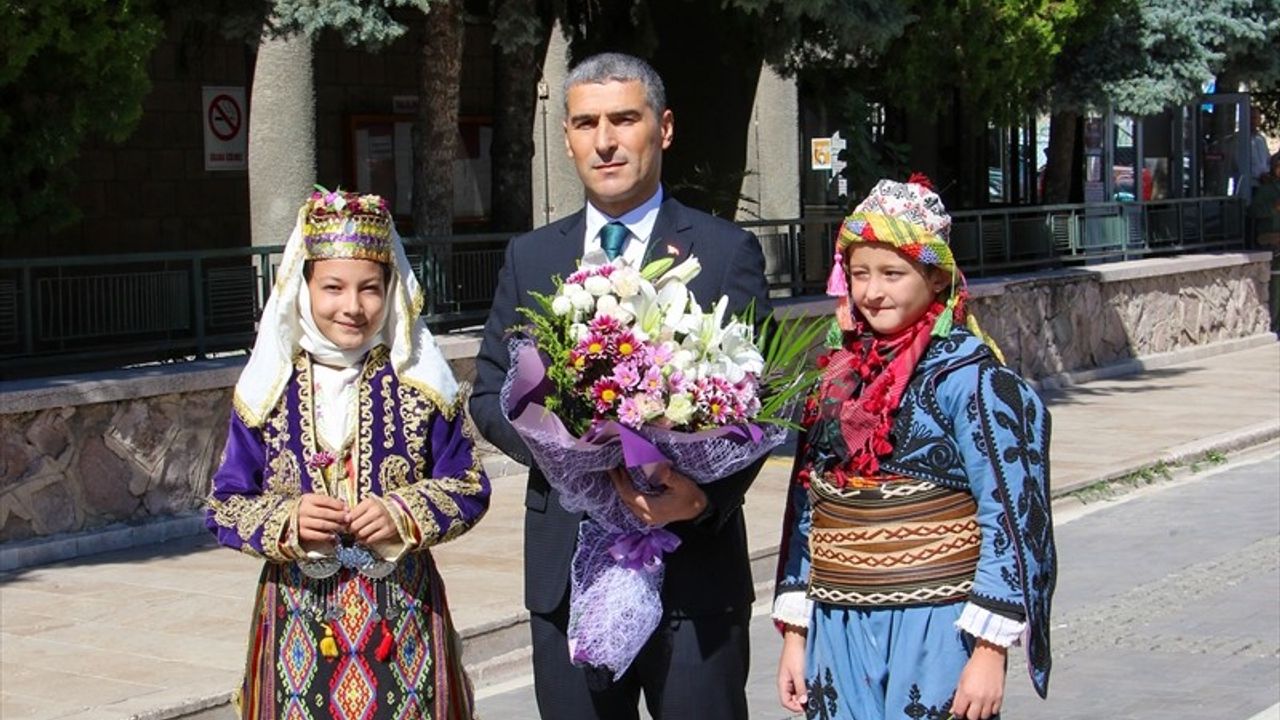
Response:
column 371, row 523
column 320, row 517
column 791, row 687
column 980, row 691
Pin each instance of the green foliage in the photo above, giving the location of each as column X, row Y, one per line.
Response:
column 1146, row 55
column 824, row 33
column 788, row 375
column 367, row 23
column 70, row 70
column 996, row 56
column 554, row 338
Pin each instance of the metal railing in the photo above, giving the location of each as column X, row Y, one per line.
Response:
column 75, row 313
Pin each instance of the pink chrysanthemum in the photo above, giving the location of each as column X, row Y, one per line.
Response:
column 606, row 393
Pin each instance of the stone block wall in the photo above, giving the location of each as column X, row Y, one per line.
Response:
column 1082, row 319
column 70, row 468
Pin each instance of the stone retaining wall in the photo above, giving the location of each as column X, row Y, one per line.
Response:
column 1081, row 319
column 135, row 447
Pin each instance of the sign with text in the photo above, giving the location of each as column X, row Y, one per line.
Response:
column 226, row 128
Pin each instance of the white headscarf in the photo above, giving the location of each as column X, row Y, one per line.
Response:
column 284, row 330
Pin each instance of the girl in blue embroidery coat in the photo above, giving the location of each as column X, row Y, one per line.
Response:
column 918, row 543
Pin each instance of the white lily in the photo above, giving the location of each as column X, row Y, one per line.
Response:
column 738, row 346
column 644, row 307
column 682, row 273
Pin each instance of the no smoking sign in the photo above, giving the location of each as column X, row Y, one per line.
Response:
column 224, row 128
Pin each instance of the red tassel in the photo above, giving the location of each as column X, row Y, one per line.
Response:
column 383, row 651
column 919, row 178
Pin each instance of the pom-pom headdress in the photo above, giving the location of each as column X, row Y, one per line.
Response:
column 910, row 218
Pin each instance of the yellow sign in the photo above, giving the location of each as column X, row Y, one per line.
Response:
column 820, row 153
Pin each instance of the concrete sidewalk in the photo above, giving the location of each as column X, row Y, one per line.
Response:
column 160, row 631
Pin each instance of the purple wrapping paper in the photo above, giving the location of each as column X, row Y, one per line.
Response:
column 615, row 604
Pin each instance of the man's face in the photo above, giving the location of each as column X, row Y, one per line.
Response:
column 616, row 141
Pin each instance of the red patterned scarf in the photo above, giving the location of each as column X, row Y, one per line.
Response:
column 864, row 380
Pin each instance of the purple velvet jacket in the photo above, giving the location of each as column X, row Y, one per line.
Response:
column 410, row 449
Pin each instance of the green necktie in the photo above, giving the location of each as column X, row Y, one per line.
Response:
column 611, row 238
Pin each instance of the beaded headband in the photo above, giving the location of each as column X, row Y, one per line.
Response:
column 348, row 225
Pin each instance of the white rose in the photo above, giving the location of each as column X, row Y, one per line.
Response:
column 597, row 285
column 681, row 359
column 679, row 409
column 561, row 305
column 626, row 282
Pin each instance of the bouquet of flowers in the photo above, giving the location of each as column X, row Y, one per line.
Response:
column 621, row 367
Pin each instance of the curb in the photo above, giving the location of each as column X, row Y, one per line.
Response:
column 1231, row 441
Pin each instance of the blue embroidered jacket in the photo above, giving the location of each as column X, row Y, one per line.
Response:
column 968, row 423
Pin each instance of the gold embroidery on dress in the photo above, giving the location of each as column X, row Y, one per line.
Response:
column 421, row 513
column 388, row 413
column 243, row 513
column 448, row 409
column 394, row 473
column 413, row 408
column 285, row 477
column 362, row 451
column 307, row 419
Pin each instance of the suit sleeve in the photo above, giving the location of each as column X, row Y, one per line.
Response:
column 241, row 511
column 492, row 363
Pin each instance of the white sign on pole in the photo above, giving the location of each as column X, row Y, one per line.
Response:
column 820, row 153
column 226, row 128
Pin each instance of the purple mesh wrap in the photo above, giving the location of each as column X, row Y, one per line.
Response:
column 614, row 606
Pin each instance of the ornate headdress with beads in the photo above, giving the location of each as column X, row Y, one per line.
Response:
column 346, row 225
column 910, row 218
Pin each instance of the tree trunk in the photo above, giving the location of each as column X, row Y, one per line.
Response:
column 517, row 64
column 436, row 130
column 1061, row 157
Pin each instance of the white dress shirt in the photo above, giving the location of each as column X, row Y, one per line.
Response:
column 639, row 222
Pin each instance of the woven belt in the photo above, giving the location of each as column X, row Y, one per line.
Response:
column 895, row 543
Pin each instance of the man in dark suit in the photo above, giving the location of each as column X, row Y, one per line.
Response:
column 695, row 664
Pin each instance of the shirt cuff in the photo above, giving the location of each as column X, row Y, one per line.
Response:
column 995, row 629
column 792, row 608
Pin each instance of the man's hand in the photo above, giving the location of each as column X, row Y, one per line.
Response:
column 980, row 691
column 791, row 687
column 371, row 523
column 320, row 517
column 680, row 498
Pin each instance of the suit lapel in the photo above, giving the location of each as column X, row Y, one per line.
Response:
column 670, row 237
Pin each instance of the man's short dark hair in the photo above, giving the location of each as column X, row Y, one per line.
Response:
column 618, row 67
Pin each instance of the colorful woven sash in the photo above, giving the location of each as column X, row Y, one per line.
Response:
column 891, row 542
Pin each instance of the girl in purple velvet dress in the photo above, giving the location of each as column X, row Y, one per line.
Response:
column 347, row 458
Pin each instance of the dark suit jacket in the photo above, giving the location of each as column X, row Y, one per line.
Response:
column 709, row 572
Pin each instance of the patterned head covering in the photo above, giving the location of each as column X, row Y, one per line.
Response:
column 910, row 218
column 348, row 225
